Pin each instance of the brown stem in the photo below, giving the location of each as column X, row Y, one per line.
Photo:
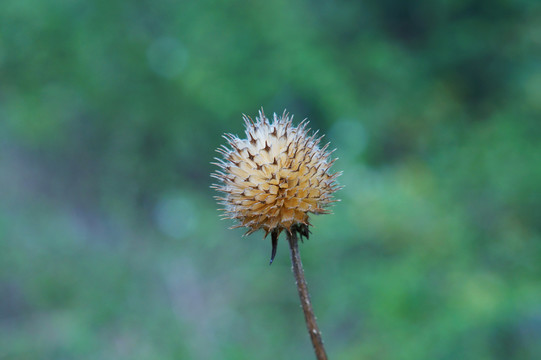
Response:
column 309, row 316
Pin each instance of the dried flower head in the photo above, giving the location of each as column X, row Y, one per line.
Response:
column 275, row 177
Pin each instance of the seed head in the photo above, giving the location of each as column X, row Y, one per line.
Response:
column 276, row 176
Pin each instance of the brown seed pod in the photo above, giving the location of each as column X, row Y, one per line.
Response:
column 276, row 176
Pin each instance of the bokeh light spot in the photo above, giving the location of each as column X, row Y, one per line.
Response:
column 175, row 215
column 167, row 57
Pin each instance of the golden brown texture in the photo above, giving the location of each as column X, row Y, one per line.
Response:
column 276, row 176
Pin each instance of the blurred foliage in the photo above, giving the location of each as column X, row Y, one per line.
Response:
column 110, row 244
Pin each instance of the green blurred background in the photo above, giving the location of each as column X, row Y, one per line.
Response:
column 110, row 242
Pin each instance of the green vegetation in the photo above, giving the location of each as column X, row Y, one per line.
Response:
column 110, row 242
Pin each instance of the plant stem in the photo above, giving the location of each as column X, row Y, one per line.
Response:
column 309, row 316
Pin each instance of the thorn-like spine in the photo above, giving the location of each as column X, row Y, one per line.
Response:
column 276, row 164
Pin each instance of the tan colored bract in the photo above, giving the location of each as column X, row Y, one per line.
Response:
column 276, row 176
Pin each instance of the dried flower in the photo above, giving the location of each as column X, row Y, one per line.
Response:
column 275, row 177
column 271, row 181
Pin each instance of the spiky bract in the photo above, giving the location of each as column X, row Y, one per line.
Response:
column 276, row 176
